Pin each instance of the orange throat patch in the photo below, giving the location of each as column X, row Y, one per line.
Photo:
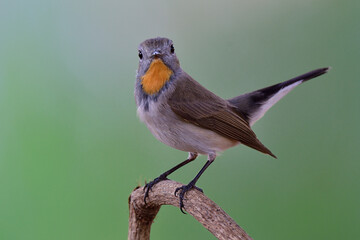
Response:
column 156, row 76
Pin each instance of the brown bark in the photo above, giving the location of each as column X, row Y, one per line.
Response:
column 205, row 211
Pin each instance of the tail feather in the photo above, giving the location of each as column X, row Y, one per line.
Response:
column 252, row 106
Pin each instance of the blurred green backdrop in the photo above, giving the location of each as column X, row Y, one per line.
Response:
column 72, row 148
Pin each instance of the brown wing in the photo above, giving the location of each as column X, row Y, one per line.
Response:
column 197, row 105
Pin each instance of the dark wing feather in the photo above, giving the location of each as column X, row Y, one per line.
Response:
column 195, row 104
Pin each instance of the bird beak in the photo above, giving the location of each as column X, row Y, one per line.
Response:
column 156, row 54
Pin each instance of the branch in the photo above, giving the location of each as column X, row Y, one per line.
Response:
column 205, row 211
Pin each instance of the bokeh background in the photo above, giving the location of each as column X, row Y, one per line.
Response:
column 72, row 148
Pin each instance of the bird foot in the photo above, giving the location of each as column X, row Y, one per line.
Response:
column 183, row 189
column 149, row 185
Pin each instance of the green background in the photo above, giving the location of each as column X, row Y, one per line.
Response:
column 72, row 148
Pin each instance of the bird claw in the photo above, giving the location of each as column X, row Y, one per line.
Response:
column 149, row 186
column 183, row 189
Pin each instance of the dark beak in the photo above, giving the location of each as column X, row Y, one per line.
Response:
column 156, row 54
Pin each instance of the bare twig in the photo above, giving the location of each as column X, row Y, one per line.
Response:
column 205, row 211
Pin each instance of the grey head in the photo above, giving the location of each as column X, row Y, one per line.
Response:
column 153, row 48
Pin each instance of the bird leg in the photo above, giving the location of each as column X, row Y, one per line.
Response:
column 183, row 189
column 148, row 186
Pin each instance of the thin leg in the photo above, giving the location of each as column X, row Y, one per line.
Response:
column 148, row 186
column 183, row 189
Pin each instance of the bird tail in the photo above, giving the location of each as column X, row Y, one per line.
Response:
column 252, row 106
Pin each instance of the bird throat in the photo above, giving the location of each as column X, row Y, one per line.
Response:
column 156, row 77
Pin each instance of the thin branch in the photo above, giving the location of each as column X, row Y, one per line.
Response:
column 205, row 211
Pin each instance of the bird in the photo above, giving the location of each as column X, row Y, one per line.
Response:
column 184, row 115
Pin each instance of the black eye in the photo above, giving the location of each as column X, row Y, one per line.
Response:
column 140, row 54
column 172, row 49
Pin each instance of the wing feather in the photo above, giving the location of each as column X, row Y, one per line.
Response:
column 195, row 104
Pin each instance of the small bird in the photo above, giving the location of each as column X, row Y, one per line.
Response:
column 186, row 116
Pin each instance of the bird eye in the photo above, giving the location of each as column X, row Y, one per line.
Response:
column 172, row 49
column 140, row 54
